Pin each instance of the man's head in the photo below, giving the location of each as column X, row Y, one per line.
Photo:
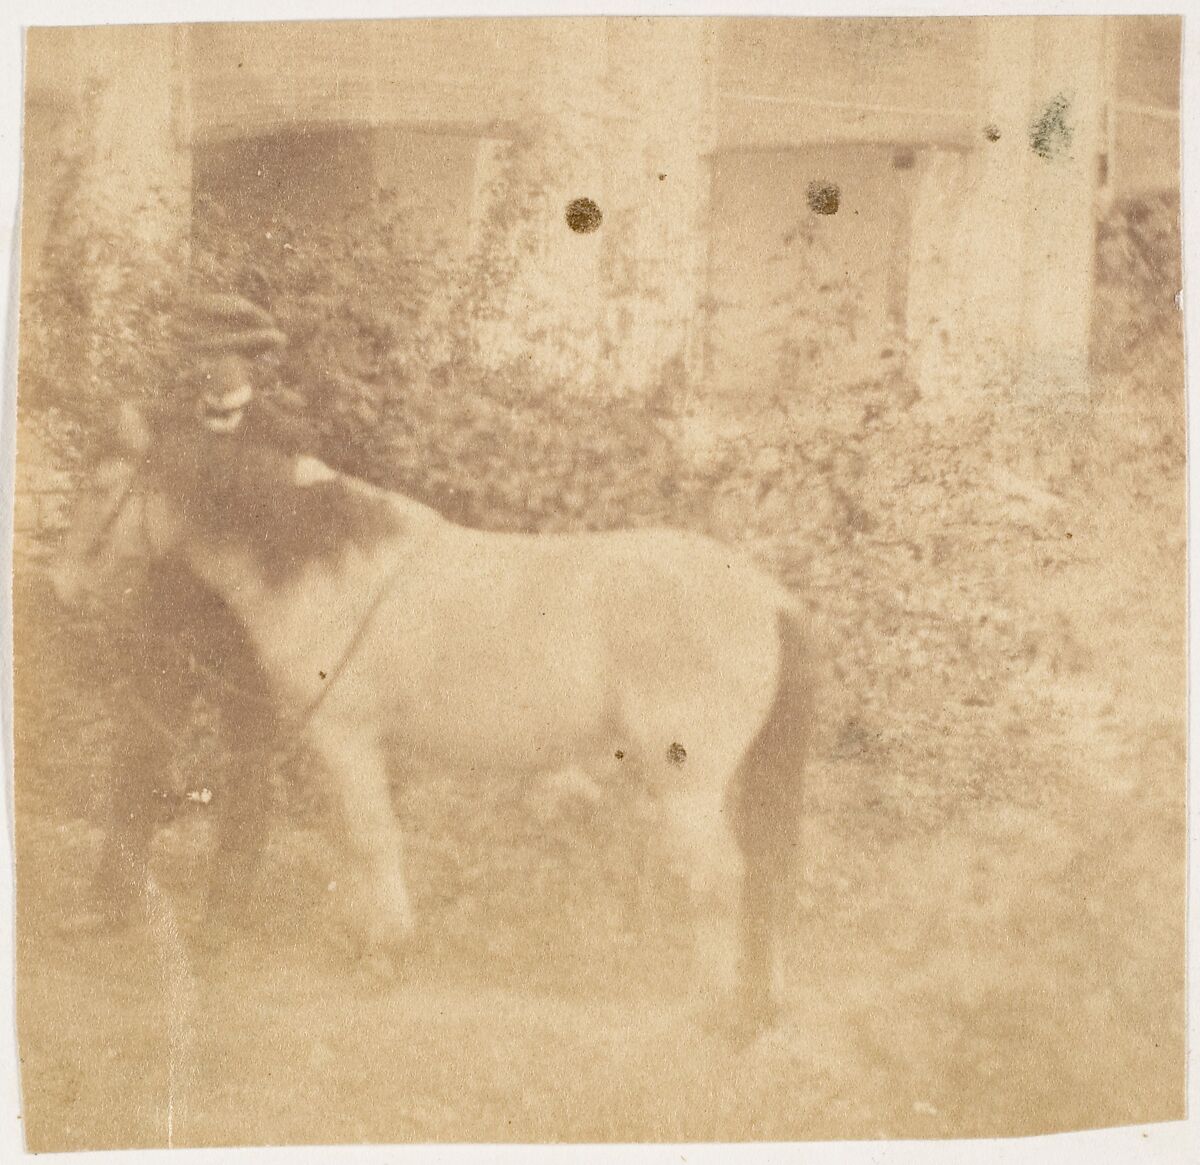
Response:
column 227, row 334
column 228, row 389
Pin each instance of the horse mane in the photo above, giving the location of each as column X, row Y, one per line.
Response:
column 241, row 495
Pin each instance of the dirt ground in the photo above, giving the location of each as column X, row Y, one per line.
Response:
column 990, row 940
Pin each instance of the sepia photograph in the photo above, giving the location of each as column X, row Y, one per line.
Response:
column 599, row 580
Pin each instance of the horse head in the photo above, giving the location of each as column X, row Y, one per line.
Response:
column 110, row 526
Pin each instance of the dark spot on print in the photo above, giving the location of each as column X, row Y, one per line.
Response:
column 583, row 216
column 823, row 197
column 991, row 132
column 620, row 754
column 677, row 754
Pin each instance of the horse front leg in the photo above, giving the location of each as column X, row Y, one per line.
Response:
column 374, row 894
column 117, row 897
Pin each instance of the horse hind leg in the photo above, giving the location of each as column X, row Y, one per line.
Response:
column 707, row 858
column 765, row 804
column 685, row 754
column 731, row 899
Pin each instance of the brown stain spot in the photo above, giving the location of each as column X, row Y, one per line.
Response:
column 676, row 754
column 321, row 674
column 991, row 132
column 583, row 216
column 823, row 197
column 620, row 754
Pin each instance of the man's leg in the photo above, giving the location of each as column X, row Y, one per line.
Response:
column 251, row 733
column 243, row 821
column 150, row 715
column 136, row 808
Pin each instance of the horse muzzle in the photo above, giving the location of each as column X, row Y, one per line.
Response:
column 83, row 594
column 73, row 587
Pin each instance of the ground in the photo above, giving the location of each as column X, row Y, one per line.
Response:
column 990, row 931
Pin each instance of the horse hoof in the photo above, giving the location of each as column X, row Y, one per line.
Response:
column 210, row 937
column 227, row 917
column 740, row 1023
column 381, row 968
column 379, row 971
column 93, row 923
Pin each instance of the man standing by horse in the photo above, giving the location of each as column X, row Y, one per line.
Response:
column 392, row 634
column 170, row 639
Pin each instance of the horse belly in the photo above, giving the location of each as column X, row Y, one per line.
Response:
column 533, row 724
column 478, row 695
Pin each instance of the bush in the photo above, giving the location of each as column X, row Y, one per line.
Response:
column 1138, row 274
column 913, row 539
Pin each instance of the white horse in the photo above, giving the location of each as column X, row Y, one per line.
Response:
column 391, row 633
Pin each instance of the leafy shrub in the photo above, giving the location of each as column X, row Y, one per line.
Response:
column 1138, row 274
column 907, row 536
column 383, row 378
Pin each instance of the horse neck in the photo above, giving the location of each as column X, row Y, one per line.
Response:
column 233, row 574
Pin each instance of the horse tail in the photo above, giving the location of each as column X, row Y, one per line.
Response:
column 767, row 798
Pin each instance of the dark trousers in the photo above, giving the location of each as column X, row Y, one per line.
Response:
column 173, row 639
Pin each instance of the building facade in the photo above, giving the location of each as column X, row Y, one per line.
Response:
column 956, row 235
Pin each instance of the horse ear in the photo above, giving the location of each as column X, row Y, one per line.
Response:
column 132, row 432
column 310, row 471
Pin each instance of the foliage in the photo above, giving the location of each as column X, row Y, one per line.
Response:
column 387, row 378
column 817, row 317
column 922, row 545
column 96, row 320
column 1139, row 275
